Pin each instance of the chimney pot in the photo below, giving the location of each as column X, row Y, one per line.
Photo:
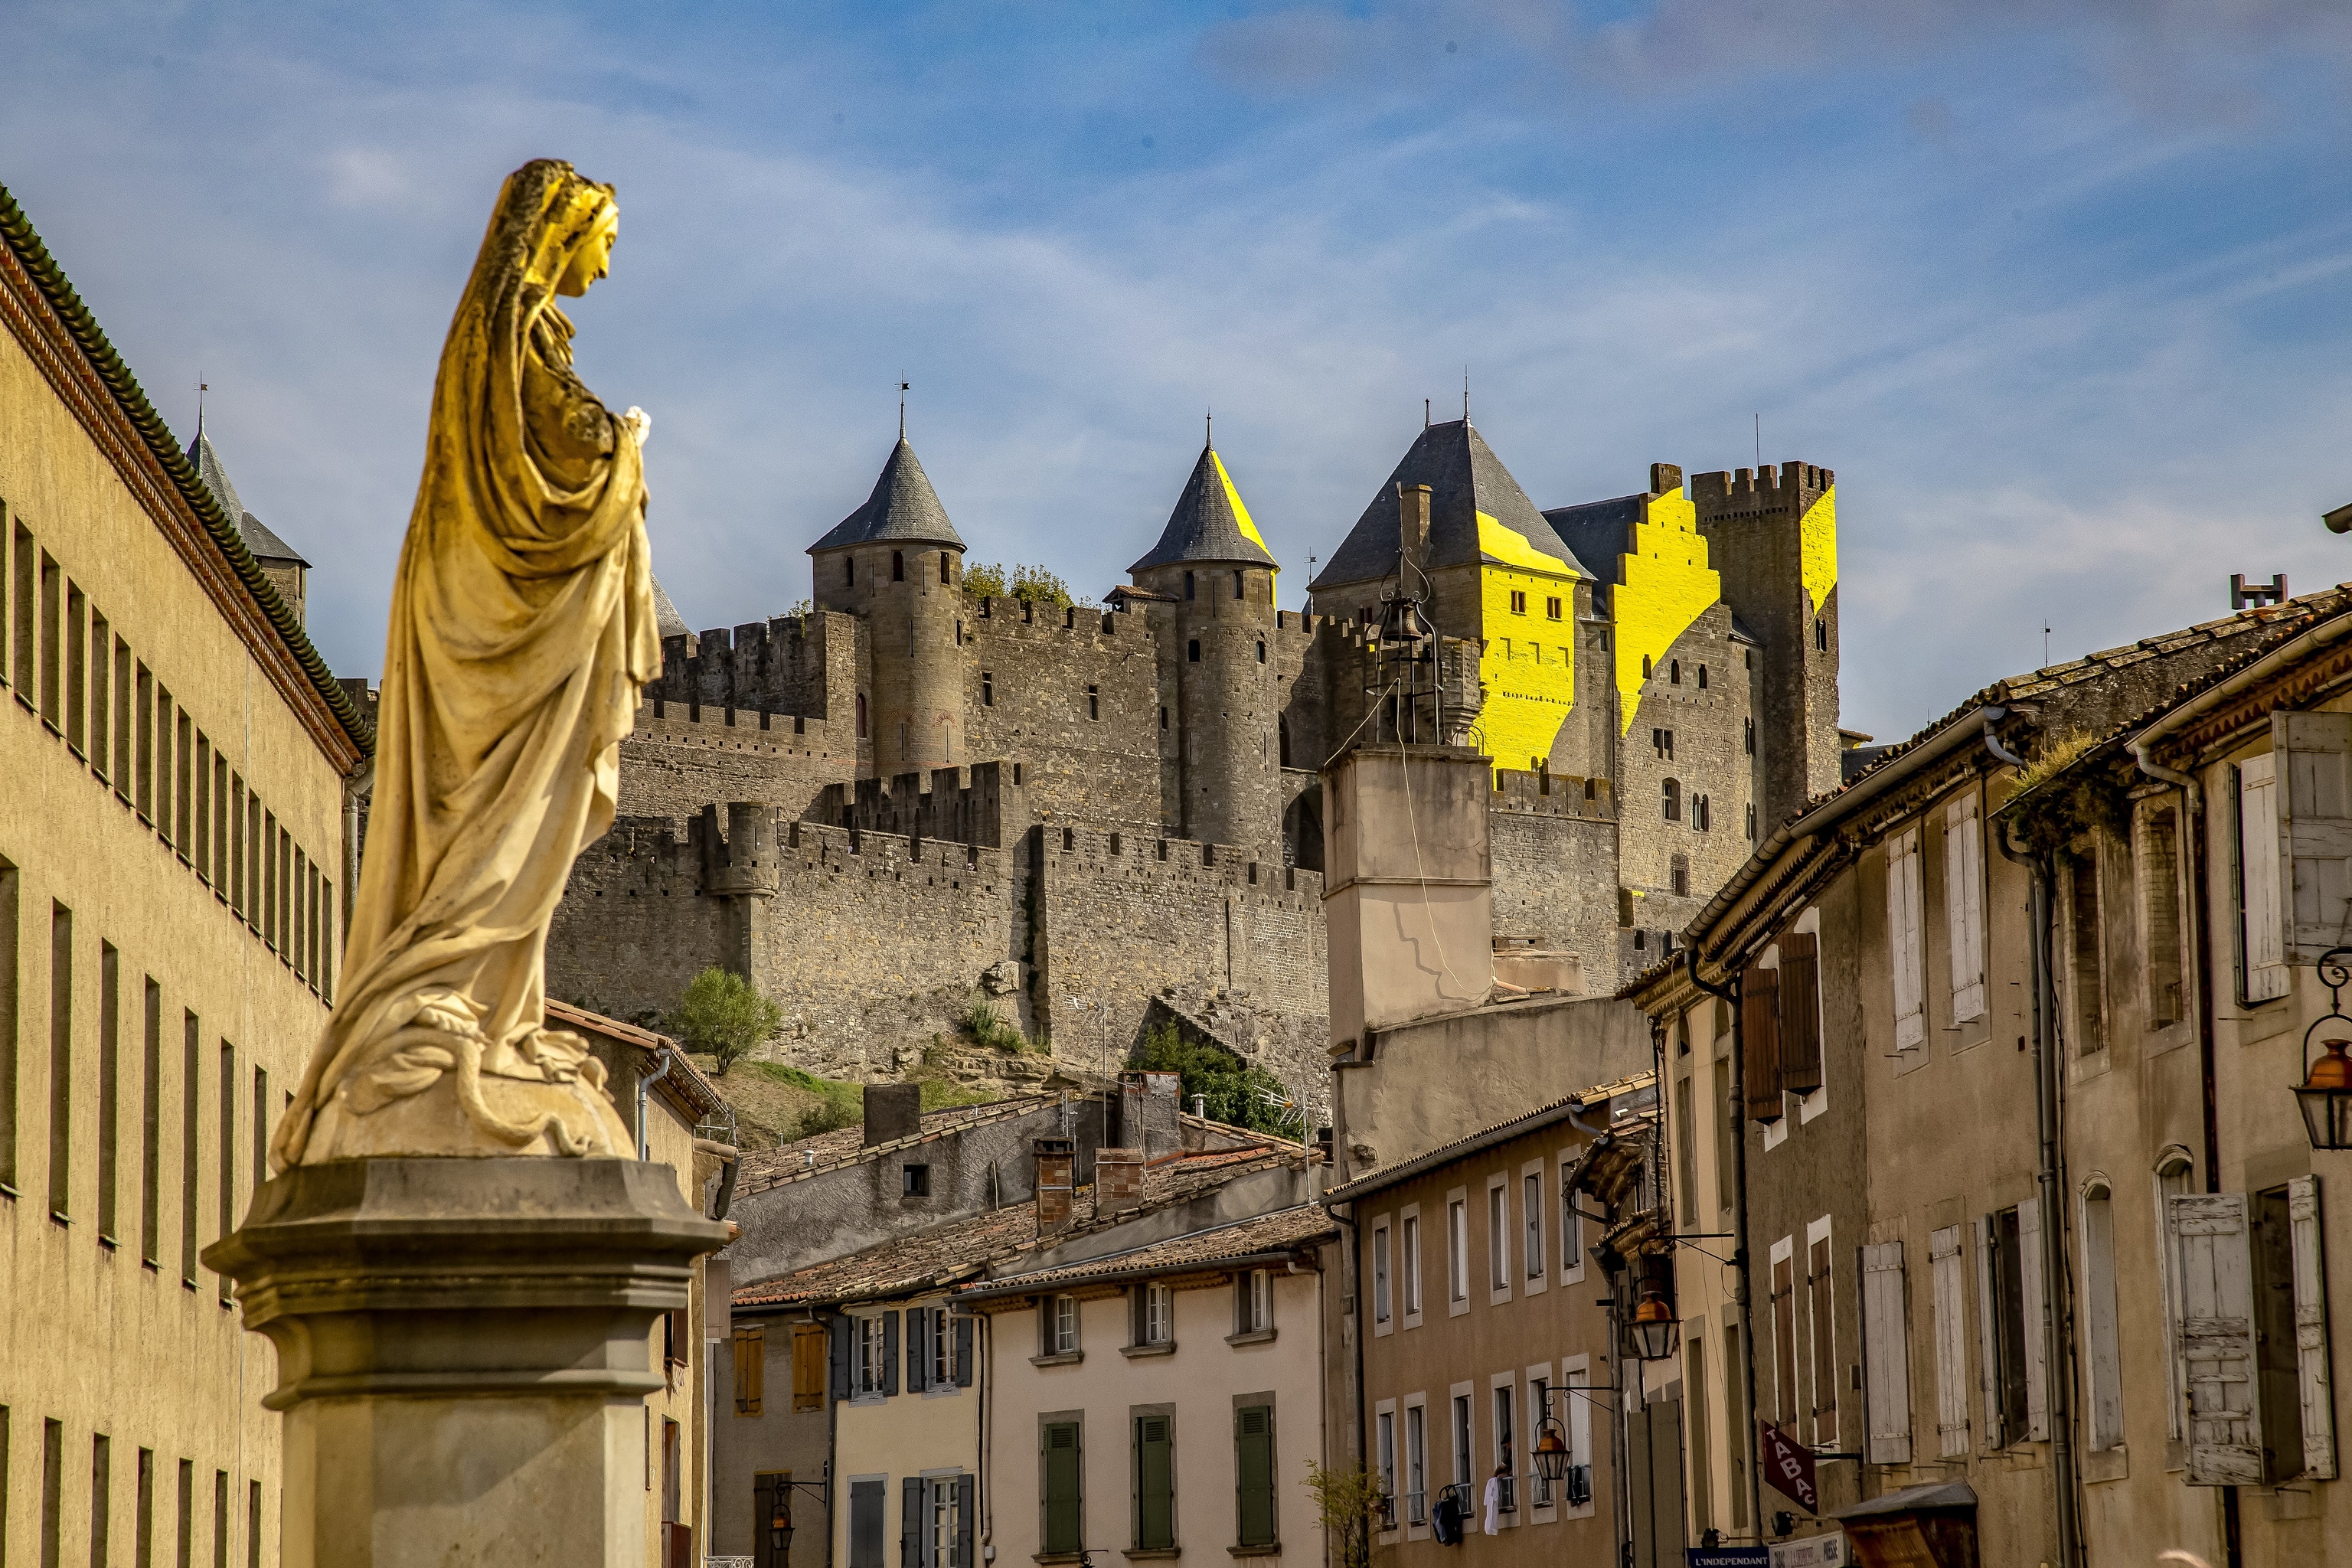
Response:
column 1119, row 1180
column 893, row 1111
column 1412, row 523
column 1056, row 1158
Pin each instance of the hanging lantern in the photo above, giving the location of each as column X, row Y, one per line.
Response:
column 2325, row 1097
column 780, row 1527
column 1551, row 1450
column 1656, row 1334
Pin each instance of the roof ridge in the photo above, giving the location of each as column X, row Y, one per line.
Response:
column 25, row 241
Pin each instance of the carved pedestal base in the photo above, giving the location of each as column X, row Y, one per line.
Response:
column 462, row 1353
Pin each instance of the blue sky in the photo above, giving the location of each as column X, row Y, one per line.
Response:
column 2063, row 289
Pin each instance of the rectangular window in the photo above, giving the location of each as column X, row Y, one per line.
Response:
column 1735, row 1436
column 1155, row 1484
column 2160, row 901
column 125, row 721
column 1701, row 1441
column 1065, row 1325
column 946, row 1369
column 1380, row 1274
column 1416, row 1464
column 1254, row 1302
column 2003, row 1276
column 1686, row 1188
column 2103, row 1353
column 183, row 781
column 1885, row 1356
column 1531, row 1213
column 1254, row 1474
column 191, row 1113
column 2279, row 1397
column 946, row 1504
column 1950, row 1306
column 2083, row 928
column 750, row 1350
column 1061, row 1475
column 1463, row 1473
column 1498, row 1237
column 142, row 1546
column 808, row 1366
column 52, row 581
column 1457, row 1249
column 1384, row 1453
column 2262, row 955
column 1904, row 948
column 874, row 1356
column 144, row 769
column 227, row 1150
column 109, row 1085
column 260, row 1127
column 1725, row 1129
column 151, row 1128
column 1094, row 702
column 1507, row 1444
column 1413, row 1266
column 1518, row 602
column 200, row 836
column 77, row 669
column 101, row 705
column 1784, row 1339
column 24, row 580
column 1571, row 1227
column 1819, row 1310
column 1551, row 608
column 220, row 1519
column 61, row 1000
column 53, row 1489
column 1964, row 906
column 1801, row 1013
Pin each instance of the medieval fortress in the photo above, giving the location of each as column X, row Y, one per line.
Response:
column 911, row 796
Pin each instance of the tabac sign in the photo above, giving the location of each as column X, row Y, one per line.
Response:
column 1788, row 1465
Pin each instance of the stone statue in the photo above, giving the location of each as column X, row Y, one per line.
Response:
column 522, row 627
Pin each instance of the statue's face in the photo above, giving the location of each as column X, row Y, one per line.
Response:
column 591, row 260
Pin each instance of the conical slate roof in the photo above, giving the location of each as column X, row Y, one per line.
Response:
column 902, row 507
column 667, row 620
column 1210, row 523
column 263, row 544
column 1464, row 478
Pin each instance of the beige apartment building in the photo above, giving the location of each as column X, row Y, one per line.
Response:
column 175, row 762
column 1975, row 1039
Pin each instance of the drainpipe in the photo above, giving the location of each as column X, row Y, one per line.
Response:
column 660, row 1067
column 2192, row 834
column 1730, row 997
column 2057, row 1351
column 1355, row 1320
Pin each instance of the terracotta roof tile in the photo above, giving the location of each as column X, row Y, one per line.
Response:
column 1277, row 1232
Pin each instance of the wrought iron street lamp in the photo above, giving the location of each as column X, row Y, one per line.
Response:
column 1552, row 1453
column 2324, row 1095
column 1656, row 1334
column 780, row 1529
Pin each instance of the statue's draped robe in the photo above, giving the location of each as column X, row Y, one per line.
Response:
column 522, row 627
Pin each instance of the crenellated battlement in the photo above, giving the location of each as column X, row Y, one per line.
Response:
column 979, row 805
column 1769, row 489
column 1537, row 793
column 1076, row 850
column 720, row 727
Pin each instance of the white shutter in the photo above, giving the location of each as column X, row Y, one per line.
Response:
column 2258, row 851
column 1989, row 1338
column 2029, row 1279
column 1964, row 906
column 1951, row 1343
column 1903, row 939
column 2315, row 809
column 2311, row 1329
column 1886, row 1358
column 2217, row 1337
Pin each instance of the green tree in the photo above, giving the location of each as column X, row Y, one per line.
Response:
column 1040, row 586
column 718, row 1015
column 983, row 581
column 1344, row 1501
column 1229, row 1090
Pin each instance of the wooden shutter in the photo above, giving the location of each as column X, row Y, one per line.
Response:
column 1254, row 1472
column 966, row 1502
column 867, row 1502
column 2315, row 801
column 838, row 1332
column 919, row 1329
column 1821, row 1312
column 910, row 1522
column 964, row 1359
column 1801, row 1013
column 1964, row 906
column 808, row 1366
column 2030, row 1283
column 1950, row 1287
column 1996, row 1430
column 1784, row 1343
column 1885, row 1356
column 889, row 1353
column 1904, row 952
column 2261, row 906
column 1760, row 1042
column 2217, row 1337
column 750, row 1347
column 2311, row 1329
column 1064, row 1520
column 1155, row 1485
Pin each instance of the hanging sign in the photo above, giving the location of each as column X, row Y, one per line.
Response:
column 1788, row 1465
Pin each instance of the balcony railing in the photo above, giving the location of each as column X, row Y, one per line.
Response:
column 1416, row 1508
column 1578, row 1484
column 1509, row 1500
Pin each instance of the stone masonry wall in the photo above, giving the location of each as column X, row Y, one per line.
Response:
column 1028, row 674
column 674, row 765
column 1552, row 842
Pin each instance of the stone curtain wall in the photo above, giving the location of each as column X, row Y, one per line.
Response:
column 1554, row 853
column 1039, row 662
column 674, row 765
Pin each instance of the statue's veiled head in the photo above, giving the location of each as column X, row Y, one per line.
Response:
column 553, row 228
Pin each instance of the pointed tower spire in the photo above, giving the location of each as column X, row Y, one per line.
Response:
column 1209, row 522
column 903, row 506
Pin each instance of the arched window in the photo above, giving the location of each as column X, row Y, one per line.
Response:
column 897, row 566
column 2105, row 1412
column 945, row 580
column 1645, row 666
column 1674, row 672
column 1673, row 801
column 1261, row 650
column 1703, row 812
column 1702, row 678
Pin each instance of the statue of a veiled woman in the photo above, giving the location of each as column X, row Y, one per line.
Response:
column 522, row 627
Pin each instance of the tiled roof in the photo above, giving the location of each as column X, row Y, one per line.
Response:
column 1209, row 524
column 958, row 1250
column 807, row 1157
column 17, row 234
column 903, row 506
column 1278, row 1232
column 682, row 1076
column 1464, row 478
column 1488, row 1137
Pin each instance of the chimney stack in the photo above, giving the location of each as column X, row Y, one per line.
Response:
column 893, row 1111
column 1412, row 525
column 1118, row 1181
column 1148, row 1107
column 1055, row 1158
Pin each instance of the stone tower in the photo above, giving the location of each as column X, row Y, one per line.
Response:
column 898, row 562
column 1213, row 568
column 1773, row 537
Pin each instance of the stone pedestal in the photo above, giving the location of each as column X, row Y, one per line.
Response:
column 462, row 1354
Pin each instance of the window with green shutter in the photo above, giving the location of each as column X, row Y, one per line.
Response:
column 1155, row 1485
column 1254, row 1472
column 1064, row 1501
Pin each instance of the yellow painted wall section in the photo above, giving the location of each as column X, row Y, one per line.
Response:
column 1529, row 664
column 1818, row 540
column 1242, row 516
column 1664, row 584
